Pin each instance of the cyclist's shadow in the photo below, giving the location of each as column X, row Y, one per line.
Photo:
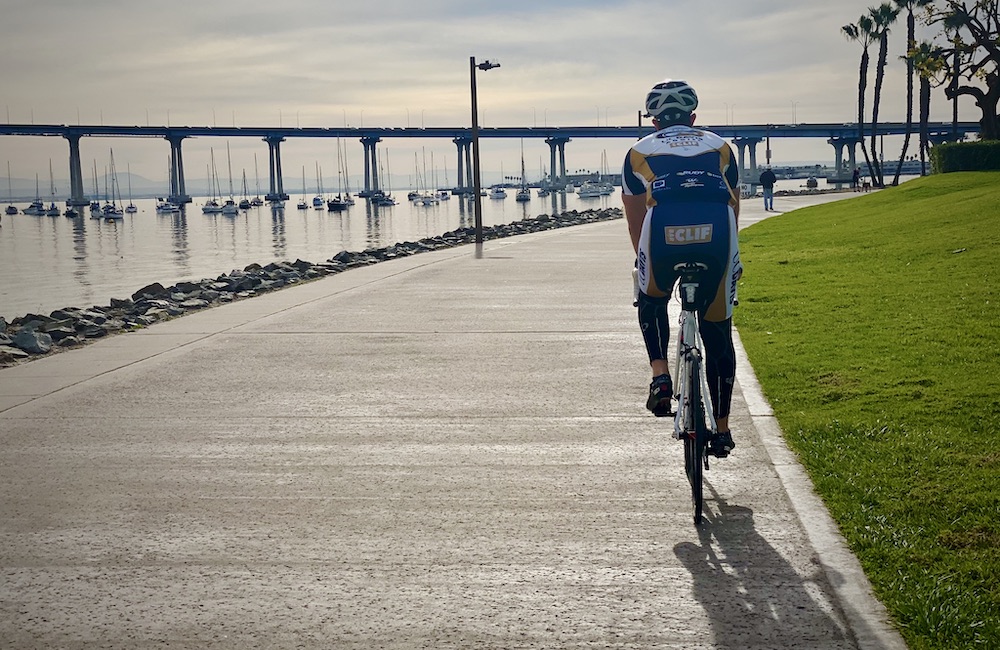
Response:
column 751, row 595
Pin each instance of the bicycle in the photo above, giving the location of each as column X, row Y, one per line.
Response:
column 694, row 418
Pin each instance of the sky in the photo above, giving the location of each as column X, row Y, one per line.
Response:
column 321, row 63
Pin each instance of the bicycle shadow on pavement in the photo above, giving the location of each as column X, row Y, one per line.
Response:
column 751, row 594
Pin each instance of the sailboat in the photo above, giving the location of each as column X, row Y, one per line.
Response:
column 256, row 201
column 53, row 210
column 348, row 199
column 523, row 193
column 245, row 201
column 37, row 208
column 10, row 194
column 212, row 205
column 302, row 205
column 318, row 199
column 414, row 195
column 95, row 203
column 111, row 211
column 130, row 208
column 424, row 197
column 229, row 207
column 443, row 194
column 337, row 203
column 164, row 206
column 497, row 191
column 380, row 197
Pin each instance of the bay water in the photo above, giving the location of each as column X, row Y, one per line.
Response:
column 47, row 263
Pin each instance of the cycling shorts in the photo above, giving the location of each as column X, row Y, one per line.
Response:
column 691, row 232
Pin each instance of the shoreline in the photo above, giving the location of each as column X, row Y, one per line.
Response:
column 33, row 336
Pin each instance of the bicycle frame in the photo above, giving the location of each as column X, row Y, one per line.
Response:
column 694, row 420
column 689, row 353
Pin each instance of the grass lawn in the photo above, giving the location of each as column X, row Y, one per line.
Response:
column 873, row 325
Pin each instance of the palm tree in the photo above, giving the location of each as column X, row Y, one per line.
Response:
column 882, row 17
column 929, row 63
column 911, row 44
column 862, row 32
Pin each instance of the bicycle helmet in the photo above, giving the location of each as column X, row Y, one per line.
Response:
column 671, row 100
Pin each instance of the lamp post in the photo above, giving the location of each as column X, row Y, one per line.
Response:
column 477, row 200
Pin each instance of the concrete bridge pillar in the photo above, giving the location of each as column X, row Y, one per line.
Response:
column 468, row 167
column 749, row 144
column 276, row 186
column 557, row 181
column 76, row 196
column 178, row 193
column 839, row 145
column 371, row 164
column 463, row 145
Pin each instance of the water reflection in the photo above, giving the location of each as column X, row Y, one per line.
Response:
column 278, row 232
column 373, row 223
column 179, row 239
column 48, row 263
column 81, row 272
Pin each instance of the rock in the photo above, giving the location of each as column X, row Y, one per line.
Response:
column 58, row 334
column 66, row 323
column 93, row 332
column 9, row 353
column 32, row 341
column 187, row 287
column 155, row 290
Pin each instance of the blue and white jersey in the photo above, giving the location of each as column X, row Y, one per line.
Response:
column 689, row 178
column 684, row 164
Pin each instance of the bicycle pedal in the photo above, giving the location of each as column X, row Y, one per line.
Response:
column 663, row 412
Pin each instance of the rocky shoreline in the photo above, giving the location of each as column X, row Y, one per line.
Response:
column 34, row 336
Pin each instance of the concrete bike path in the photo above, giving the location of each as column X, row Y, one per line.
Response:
column 442, row 451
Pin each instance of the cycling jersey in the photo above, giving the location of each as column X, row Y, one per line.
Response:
column 689, row 178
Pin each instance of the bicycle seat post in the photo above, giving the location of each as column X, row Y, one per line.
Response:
column 689, row 272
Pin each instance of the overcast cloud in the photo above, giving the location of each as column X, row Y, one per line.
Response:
column 398, row 63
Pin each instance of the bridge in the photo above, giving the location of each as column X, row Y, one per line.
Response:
column 745, row 138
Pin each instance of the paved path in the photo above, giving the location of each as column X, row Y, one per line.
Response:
column 443, row 451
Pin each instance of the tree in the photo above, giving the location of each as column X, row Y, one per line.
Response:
column 974, row 45
column 911, row 44
column 862, row 32
column 883, row 18
column 929, row 63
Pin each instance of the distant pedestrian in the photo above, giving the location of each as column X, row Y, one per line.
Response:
column 856, row 179
column 767, row 181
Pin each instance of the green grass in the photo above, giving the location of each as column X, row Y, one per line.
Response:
column 873, row 325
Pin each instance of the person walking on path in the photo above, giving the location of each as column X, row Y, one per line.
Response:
column 767, row 181
column 856, row 179
column 681, row 198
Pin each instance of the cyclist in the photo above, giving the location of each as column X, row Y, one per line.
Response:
column 680, row 193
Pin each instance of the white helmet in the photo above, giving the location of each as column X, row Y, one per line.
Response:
column 671, row 99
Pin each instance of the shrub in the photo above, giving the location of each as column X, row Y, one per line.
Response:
column 983, row 155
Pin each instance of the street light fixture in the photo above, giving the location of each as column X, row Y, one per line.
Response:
column 476, row 188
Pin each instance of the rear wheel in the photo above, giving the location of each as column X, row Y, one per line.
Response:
column 695, row 438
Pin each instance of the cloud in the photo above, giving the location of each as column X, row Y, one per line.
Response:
column 396, row 62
